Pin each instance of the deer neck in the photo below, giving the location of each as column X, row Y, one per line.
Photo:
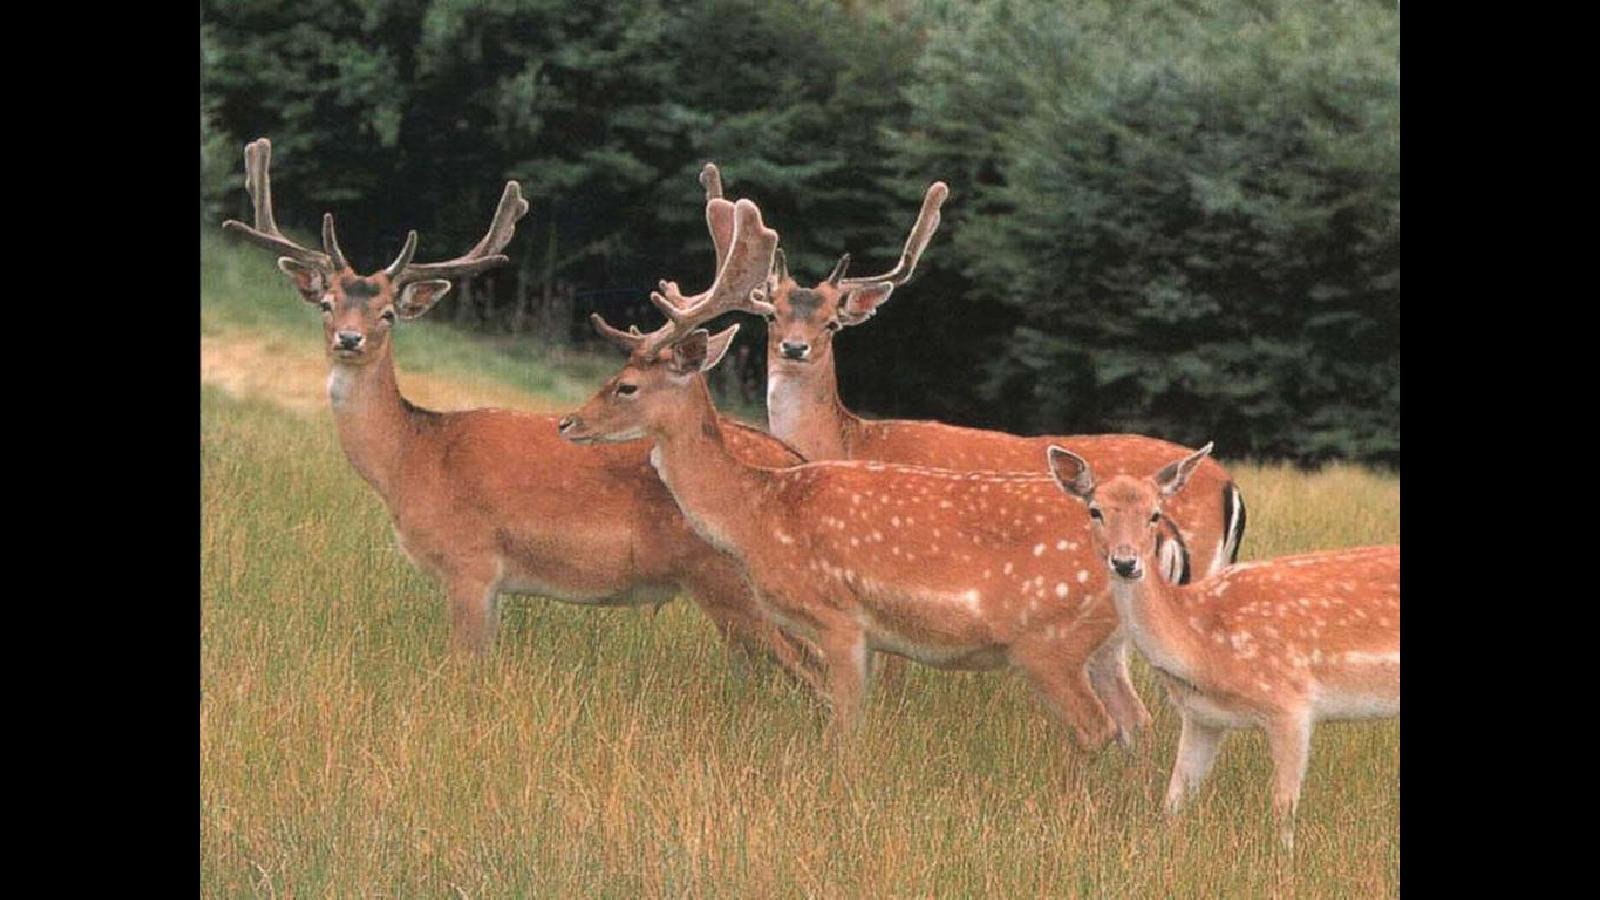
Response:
column 712, row 487
column 1158, row 625
column 373, row 421
column 803, row 409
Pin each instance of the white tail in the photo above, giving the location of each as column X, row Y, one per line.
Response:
column 1279, row 644
column 491, row 501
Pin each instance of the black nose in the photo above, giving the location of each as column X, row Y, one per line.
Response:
column 1126, row 567
column 793, row 350
column 349, row 340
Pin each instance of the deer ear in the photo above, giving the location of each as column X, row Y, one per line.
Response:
column 1174, row 476
column 860, row 303
column 311, row 282
column 418, row 297
column 1071, row 472
column 700, row 350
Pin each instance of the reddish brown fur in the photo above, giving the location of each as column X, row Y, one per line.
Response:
column 1278, row 644
column 804, row 409
column 865, row 556
column 489, row 500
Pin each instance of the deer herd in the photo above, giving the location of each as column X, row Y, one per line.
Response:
column 833, row 541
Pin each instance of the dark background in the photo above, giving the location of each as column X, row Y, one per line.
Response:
column 1180, row 219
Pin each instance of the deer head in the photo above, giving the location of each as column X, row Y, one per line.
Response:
column 358, row 311
column 663, row 373
column 1125, row 512
column 803, row 321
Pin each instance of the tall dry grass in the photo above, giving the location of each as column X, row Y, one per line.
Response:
column 609, row 752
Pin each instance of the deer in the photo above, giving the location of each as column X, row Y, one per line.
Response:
column 1277, row 644
column 804, row 408
column 491, row 501
column 954, row 570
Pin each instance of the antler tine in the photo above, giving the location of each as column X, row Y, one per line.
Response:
column 330, row 243
column 711, row 180
column 745, row 271
column 486, row 254
column 916, row 242
column 628, row 340
column 258, row 181
column 408, row 250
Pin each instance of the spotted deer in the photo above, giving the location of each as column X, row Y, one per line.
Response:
column 804, row 409
column 1279, row 644
column 956, row 570
column 491, row 501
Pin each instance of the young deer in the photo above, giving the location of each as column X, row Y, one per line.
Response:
column 490, row 500
column 1278, row 644
column 955, row 570
column 804, row 409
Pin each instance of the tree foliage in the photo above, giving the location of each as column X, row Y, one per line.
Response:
column 1180, row 219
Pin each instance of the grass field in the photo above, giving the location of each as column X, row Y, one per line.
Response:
column 610, row 752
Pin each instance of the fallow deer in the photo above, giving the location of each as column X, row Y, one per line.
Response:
column 804, row 409
column 957, row 570
column 1279, row 644
column 491, row 501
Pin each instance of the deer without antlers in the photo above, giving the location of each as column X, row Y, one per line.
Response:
column 1279, row 644
column 955, row 570
column 491, row 501
column 804, row 409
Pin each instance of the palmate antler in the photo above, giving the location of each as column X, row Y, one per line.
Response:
column 486, row 255
column 744, row 262
column 258, row 181
column 916, row 242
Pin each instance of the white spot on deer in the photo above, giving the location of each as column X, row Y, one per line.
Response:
column 1083, row 575
column 895, row 521
column 782, row 536
column 1008, row 568
column 1061, row 589
column 1038, row 549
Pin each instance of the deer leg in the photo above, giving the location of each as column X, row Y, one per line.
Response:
column 474, row 612
column 889, row 671
column 844, row 647
column 731, row 606
column 1062, row 683
column 1108, row 674
column 1289, row 738
column 1197, row 751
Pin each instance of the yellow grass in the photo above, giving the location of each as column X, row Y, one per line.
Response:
column 345, row 752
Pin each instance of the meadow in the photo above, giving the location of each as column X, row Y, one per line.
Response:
column 345, row 752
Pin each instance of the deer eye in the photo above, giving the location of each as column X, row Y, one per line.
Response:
column 769, row 317
column 833, row 325
column 626, row 389
column 1094, row 513
column 1155, row 517
column 326, row 304
column 388, row 316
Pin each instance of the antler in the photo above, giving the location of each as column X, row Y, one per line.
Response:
column 916, row 242
column 742, row 273
column 486, row 255
column 258, row 181
column 719, row 212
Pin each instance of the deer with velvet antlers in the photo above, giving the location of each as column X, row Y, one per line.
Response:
column 490, row 501
column 955, row 570
column 804, row 409
column 1279, row 644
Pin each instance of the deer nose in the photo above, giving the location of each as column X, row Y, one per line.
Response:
column 1126, row 566
column 794, row 349
column 349, row 340
column 565, row 423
